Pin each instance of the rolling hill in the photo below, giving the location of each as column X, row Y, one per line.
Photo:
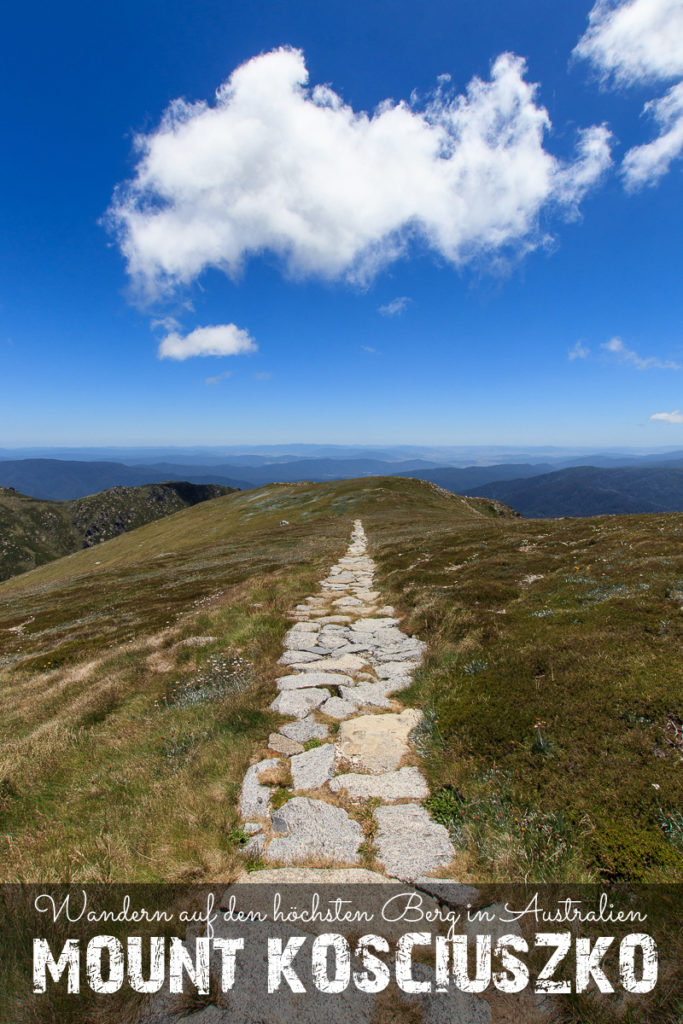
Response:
column 136, row 678
column 33, row 532
column 591, row 491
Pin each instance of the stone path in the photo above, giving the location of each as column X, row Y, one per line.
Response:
column 348, row 741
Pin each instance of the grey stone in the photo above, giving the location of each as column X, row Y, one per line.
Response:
column 254, row 797
column 333, row 640
column 308, row 876
column 377, row 743
column 371, row 624
column 409, row 843
column 314, row 829
column 283, row 745
column 335, row 707
column 298, row 703
column 372, row 694
column 404, row 784
column 388, row 669
column 313, row 768
column 305, row 729
column 252, row 827
column 293, row 655
column 297, row 682
column 347, row 663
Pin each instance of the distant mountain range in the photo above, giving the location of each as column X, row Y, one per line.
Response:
column 559, row 486
column 33, row 532
column 591, row 491
column 58, row 480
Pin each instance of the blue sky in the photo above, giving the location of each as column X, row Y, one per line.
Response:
column 421, row 275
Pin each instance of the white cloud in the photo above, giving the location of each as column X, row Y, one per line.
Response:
column 579, row 351
column 218, row 378
column 668, row 417
column 626, row 355
column 395, row 307
column 634, row 41
column 276, row 166
column 370, row 350
column 220, row 340
column 645, row 165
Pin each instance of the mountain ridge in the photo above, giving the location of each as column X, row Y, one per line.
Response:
column 34, row 531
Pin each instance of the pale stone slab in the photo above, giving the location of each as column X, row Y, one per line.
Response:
column 305, row 729
column 377, row 743
column 283, row 745
column 314, row 829
column 315, row 678
column 298, row 703
column 409, row 843
column 310, row 876
column 333, row 640
column 313, row 768
column 335, row 707
column 254, row 797
column 373, row 624
column 372, row 694
column 347, row 663
column 405, row 784
column 388, row 669
column 293, row 655
column 302, row 680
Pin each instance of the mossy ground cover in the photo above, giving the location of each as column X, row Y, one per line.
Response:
column 552, row 689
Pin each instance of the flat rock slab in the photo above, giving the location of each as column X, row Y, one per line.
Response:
column 372, row 694
column 307, row 876
column 314, row 829
column 305, row 729
column 283, row 745
column 302, row 680
column 313, row 768
column 335, row 707
column 405, row 784
column 377, row 743
column 347, row 663
column 298, row 703
column 302, row 655
column 389, row 669
column 409, row 843
column 369, row 625
column 254, row 797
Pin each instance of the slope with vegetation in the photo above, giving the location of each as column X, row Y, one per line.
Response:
column 33, row 532
column 135, row 681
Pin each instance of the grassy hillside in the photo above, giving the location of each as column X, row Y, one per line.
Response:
column 591, row 491
column 135, row 680
column 33, row 532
